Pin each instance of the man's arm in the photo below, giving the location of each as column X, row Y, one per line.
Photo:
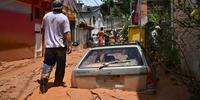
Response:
column 42, row 33
column 69, row 42
column 67, row 34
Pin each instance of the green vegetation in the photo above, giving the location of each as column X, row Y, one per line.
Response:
column 171, row 50
column 154, row 15
column 168, row 50
column 194, row 88
column 125, row 31
column 117, row 9
column 196, row 10
column 191, row 24
column 186, row 16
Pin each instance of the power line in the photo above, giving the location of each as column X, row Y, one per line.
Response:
column 86, row 1
column 80, row 1
column 96, row 3
column 78, row 12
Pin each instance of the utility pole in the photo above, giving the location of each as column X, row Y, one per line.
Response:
column 111, row 7
column 131, row 6
column 140, row 18
column 111, row 23
column 75, row 37
column 140, row 12
column 131, row 9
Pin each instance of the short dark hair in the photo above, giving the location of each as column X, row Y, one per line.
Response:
column 57, row 10
column 57, row 4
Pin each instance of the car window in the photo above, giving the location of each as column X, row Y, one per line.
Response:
column 115, row 57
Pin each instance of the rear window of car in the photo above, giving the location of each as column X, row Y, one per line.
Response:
column 113, row 57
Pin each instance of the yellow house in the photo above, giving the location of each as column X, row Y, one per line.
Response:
column 70, row 9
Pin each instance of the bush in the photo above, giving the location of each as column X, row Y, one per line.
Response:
column 194, row 89
column 124, row 32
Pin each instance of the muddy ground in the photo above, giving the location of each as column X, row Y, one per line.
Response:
column 19, row 81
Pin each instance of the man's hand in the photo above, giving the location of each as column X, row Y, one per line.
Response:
column 69, row 49
column 69, row 43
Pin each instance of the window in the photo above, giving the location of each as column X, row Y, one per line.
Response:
column 116, row 57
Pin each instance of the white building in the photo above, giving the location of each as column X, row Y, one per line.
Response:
column 89, row 20
column 91, row 16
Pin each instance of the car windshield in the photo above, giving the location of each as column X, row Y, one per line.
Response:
column 112, row 57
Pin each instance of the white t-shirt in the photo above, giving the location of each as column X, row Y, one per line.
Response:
column 154, row 35
column 55, row 25
column 95, row 39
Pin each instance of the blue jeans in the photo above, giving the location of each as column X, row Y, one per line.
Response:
column 54, row 56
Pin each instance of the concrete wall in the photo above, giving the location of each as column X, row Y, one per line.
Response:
column 189, row 43
column 92, row 17
column 114, row 21
column 82, row 36
column 17, row 31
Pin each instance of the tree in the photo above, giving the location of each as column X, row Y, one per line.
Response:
column 196, row 10
column 119, row 9
column 174, row 41
column 187, row 21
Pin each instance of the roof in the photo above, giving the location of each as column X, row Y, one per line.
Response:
column 84, row 25
column 119, row 44
column 71, row 4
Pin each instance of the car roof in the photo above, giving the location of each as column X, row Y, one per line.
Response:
column 117, row 45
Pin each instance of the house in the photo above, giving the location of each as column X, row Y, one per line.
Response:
column 20, row 23
column 70, row 10
column 113, row 22
column 89, row 21
column 92, row 16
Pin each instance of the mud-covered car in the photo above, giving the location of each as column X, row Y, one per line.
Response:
column 116, row 67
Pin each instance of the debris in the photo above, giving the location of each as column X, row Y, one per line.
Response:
column 96, row 95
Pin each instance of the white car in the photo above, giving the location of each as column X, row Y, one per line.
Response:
column 115, row 67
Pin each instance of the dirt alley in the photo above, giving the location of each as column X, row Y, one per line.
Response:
column 19, row 81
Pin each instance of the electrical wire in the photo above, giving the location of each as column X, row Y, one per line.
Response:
column 86, row 1
column 96, row 3
column 78, row 12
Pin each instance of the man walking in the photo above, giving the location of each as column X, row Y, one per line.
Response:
column 57, row 42
column 154, row 35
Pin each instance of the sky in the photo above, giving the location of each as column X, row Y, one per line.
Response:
column 91, row 2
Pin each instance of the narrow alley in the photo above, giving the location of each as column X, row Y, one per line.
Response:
column 105, row 49
column 19, row 80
